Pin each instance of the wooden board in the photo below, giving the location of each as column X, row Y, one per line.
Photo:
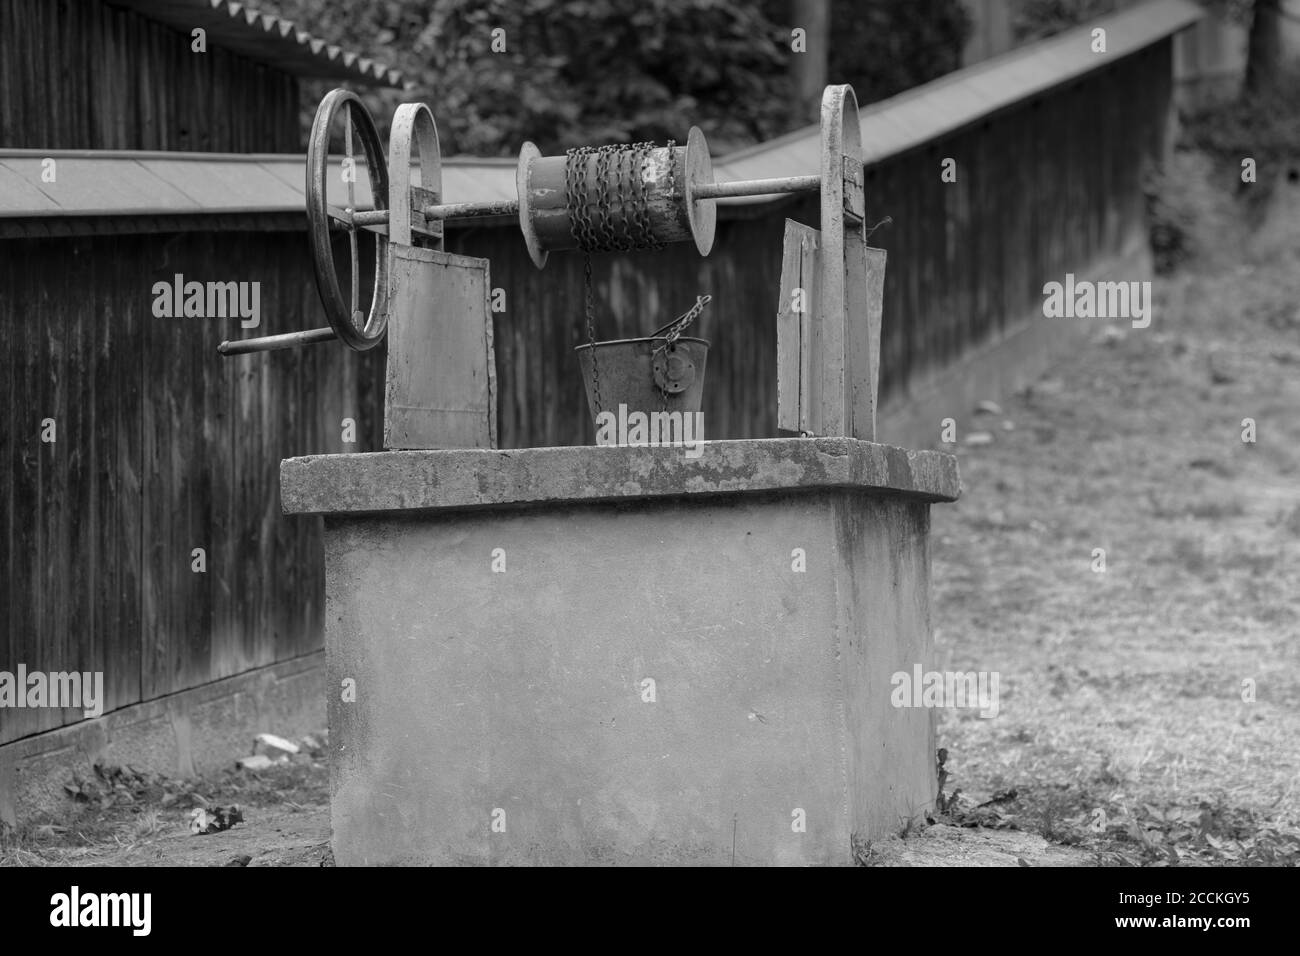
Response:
column 441, row 389
column 828, row 357
column 800, row 270
column 864, row 284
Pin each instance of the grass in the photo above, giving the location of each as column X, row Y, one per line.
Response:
column 1126, row 727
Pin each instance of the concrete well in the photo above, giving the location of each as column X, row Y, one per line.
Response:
column 613, row 655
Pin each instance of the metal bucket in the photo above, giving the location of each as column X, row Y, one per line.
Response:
column 645, row 375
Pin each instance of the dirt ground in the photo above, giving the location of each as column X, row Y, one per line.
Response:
column 1149, row 712
column 124, row 818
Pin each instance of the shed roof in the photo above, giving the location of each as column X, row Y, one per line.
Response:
column 240, row 28
column 927, row 112
column 124, row 183
column 147, row 185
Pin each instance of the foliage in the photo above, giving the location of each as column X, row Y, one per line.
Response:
column 884, row 47
column 572, row 71
column 1036, row 19
column 889, row 46
column 1171, row 218
column 1264, row 126
column 594, row 71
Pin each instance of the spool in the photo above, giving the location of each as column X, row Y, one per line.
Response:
column 671, row 175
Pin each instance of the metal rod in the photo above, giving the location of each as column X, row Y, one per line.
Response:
column 269, row 343
column 759, row 187
column 458, row 210
column 471, row 210
column 510, row 207
column 368, row 217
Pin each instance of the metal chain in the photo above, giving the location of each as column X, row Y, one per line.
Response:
column 673, row 330
column 580, row 229
column 591, row 331
column 622, row 221
column 600, row 235
column 640, row 209
column 604, row 225
column 671, row 333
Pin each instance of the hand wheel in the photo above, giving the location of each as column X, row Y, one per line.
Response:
column 356, row 329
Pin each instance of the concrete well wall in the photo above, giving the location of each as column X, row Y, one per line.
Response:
column 495, row 620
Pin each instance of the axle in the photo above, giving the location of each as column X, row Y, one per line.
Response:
column 510, row 207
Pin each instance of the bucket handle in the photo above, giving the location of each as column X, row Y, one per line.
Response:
column 677, row 326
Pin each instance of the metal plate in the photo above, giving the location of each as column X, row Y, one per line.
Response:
column 441, row 387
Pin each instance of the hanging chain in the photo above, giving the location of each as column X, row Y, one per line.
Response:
column 591, row 330
column 673, row 330
column 632, row 199
column 670, row 334
column 581, row 230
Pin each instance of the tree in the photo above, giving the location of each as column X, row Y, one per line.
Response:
column 571, row 72
column 1264, row 49
column 568, row 72
column 883, row 47
column 1037, row 19
column 808, row 67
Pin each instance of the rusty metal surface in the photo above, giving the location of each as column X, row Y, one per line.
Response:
column 471, row 210
column 270, row 343
column 440, row 389
column 631, row 379
column 759, row 187
column 414, row 172
column 344, row 317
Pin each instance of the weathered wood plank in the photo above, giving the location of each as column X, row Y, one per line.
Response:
column 797, row 309
column 128, row 82
column 24, row 488
column 14, row 430
column 118, row 490
column 865, row 284
column 78, row 566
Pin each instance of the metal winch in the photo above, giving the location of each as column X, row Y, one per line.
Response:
column 433, row 305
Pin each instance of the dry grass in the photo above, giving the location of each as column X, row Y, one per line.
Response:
column 124, row 818
column 1123, row 690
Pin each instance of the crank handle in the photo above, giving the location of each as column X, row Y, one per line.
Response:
column 270, row 343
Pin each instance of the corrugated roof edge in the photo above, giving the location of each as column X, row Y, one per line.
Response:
column 889, row 127
column 237, row 26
